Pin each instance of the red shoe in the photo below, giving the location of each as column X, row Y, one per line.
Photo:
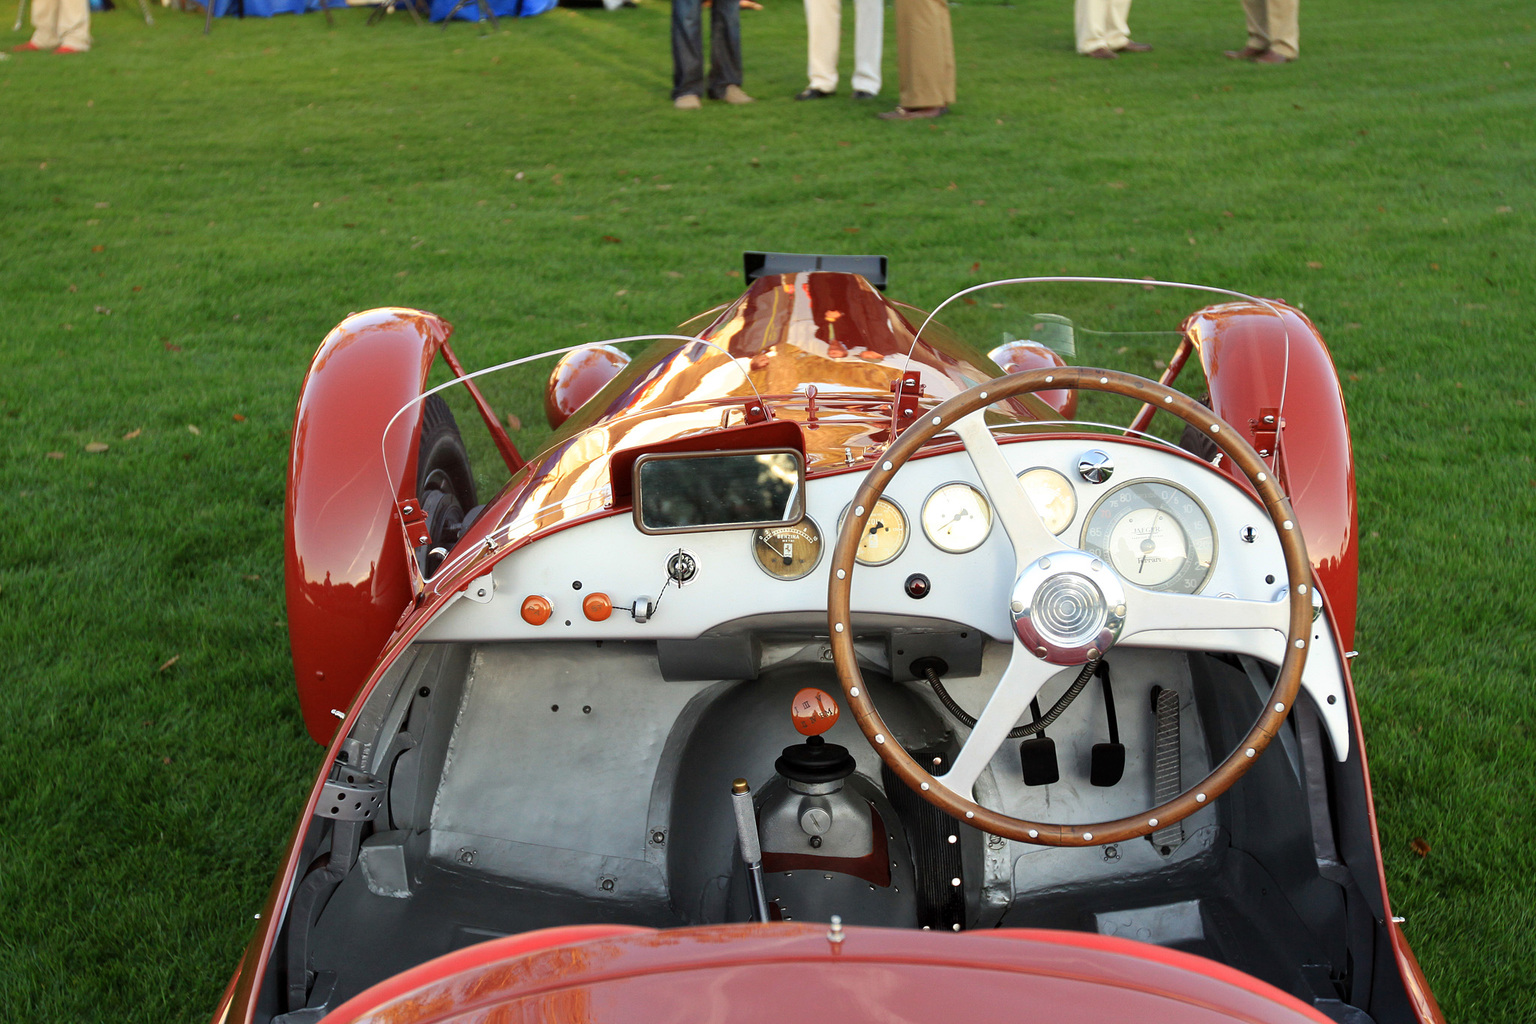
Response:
column 68, row 49
column 26, row 47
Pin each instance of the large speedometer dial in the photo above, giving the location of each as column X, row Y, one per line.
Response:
column 1155, row 534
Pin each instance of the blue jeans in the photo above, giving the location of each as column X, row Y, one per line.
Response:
column 688, row 47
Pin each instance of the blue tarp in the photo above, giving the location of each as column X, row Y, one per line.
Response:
column 267, row 8
column 501, row 8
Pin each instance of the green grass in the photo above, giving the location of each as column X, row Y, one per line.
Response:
column 230, row 198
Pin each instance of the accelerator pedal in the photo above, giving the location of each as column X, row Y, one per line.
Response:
column 1167, row 781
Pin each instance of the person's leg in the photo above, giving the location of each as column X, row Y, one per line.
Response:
column 925, row 51
column 724, row 46
column 868, row 44
column 1117, row 30
column 45, row 24
column 1257, row 14
column 687, row 49
column 823, row 29
column 1284, row 28
column 1089, row 19
column 75, row 24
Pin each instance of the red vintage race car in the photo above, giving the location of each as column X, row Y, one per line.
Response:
column 834, row 657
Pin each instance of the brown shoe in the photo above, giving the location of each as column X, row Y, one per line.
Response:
column 1102, row 53
column 688, row 101
column 912, row 113
column 733, row 94
column 1271, row 57
column 1132, row 46
column 1246, row 53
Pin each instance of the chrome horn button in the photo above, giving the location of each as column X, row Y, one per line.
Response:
column 1068, row 607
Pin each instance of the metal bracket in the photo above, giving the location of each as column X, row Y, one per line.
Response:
column 481, row 589
column 1266, row 430
column 756, row 411
column 414, row 518
column 907, row 389
column 350, row 795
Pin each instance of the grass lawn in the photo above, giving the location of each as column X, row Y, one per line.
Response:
column 182, row 218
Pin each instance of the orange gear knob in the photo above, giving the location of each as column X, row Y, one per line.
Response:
column 814, row 711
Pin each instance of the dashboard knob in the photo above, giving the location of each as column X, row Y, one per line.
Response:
column 1095, row 466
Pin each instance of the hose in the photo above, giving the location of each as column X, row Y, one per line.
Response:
column 1018, row 732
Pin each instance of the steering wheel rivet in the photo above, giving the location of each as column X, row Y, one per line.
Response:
column 970, row 814
column 879, row 737
column 1103, row 380
column 886, row 465
column 1300, row 644
column 1049, row 379
column 1034, row 834
column 1249, row 752
column 1279, row 707
column 842, row 574
column 1215, row 428
column 1167, row 399
column 925, row 787
column 839, row 627
column 1087, row 837
column 1152, row 823
column 1301, row 588
column 1287, row 524
column 858, row 511
column 937, row 421
column 983, row 394
column 853, row 692
column 1262, row 478
column 1199, row 798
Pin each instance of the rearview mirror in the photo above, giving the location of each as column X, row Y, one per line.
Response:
column 695, row 491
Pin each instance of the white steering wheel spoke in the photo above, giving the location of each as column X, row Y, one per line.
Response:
column 1014, row 509
column 1020, row 682
column 1167, row 615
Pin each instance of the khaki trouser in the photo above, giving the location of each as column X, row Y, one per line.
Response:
column 1101, row 24
column 61, row 23
column 925, row 53
column 1273, row 25
column 823, row 30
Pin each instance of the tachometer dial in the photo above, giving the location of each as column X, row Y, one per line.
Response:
column 957, row 518
column 885, row 533
column 1052, row 495
column 788, row 552
column 1155, row 534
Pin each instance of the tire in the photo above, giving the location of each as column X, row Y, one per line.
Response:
column 445, row 483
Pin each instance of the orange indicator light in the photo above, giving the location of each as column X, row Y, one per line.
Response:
column 597, row 607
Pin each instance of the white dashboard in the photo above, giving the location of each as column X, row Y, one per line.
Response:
column 572, row 569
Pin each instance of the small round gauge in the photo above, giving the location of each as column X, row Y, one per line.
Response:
column 885, row 533
column 957, row 518
column 1052, row 495
column 788, row 552
column 1155, row 534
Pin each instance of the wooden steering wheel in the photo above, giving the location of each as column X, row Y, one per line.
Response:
column 1104, row 609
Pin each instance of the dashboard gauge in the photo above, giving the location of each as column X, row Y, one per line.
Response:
column 1155, row 534
column 788, row 552
column 885, row 533
column 957, row 518
column 1053, row 497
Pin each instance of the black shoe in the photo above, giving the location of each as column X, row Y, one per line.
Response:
column 860, row 94
column 812, row 93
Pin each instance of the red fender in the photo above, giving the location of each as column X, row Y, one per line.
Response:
column 346, row 568
column 1242, row 349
